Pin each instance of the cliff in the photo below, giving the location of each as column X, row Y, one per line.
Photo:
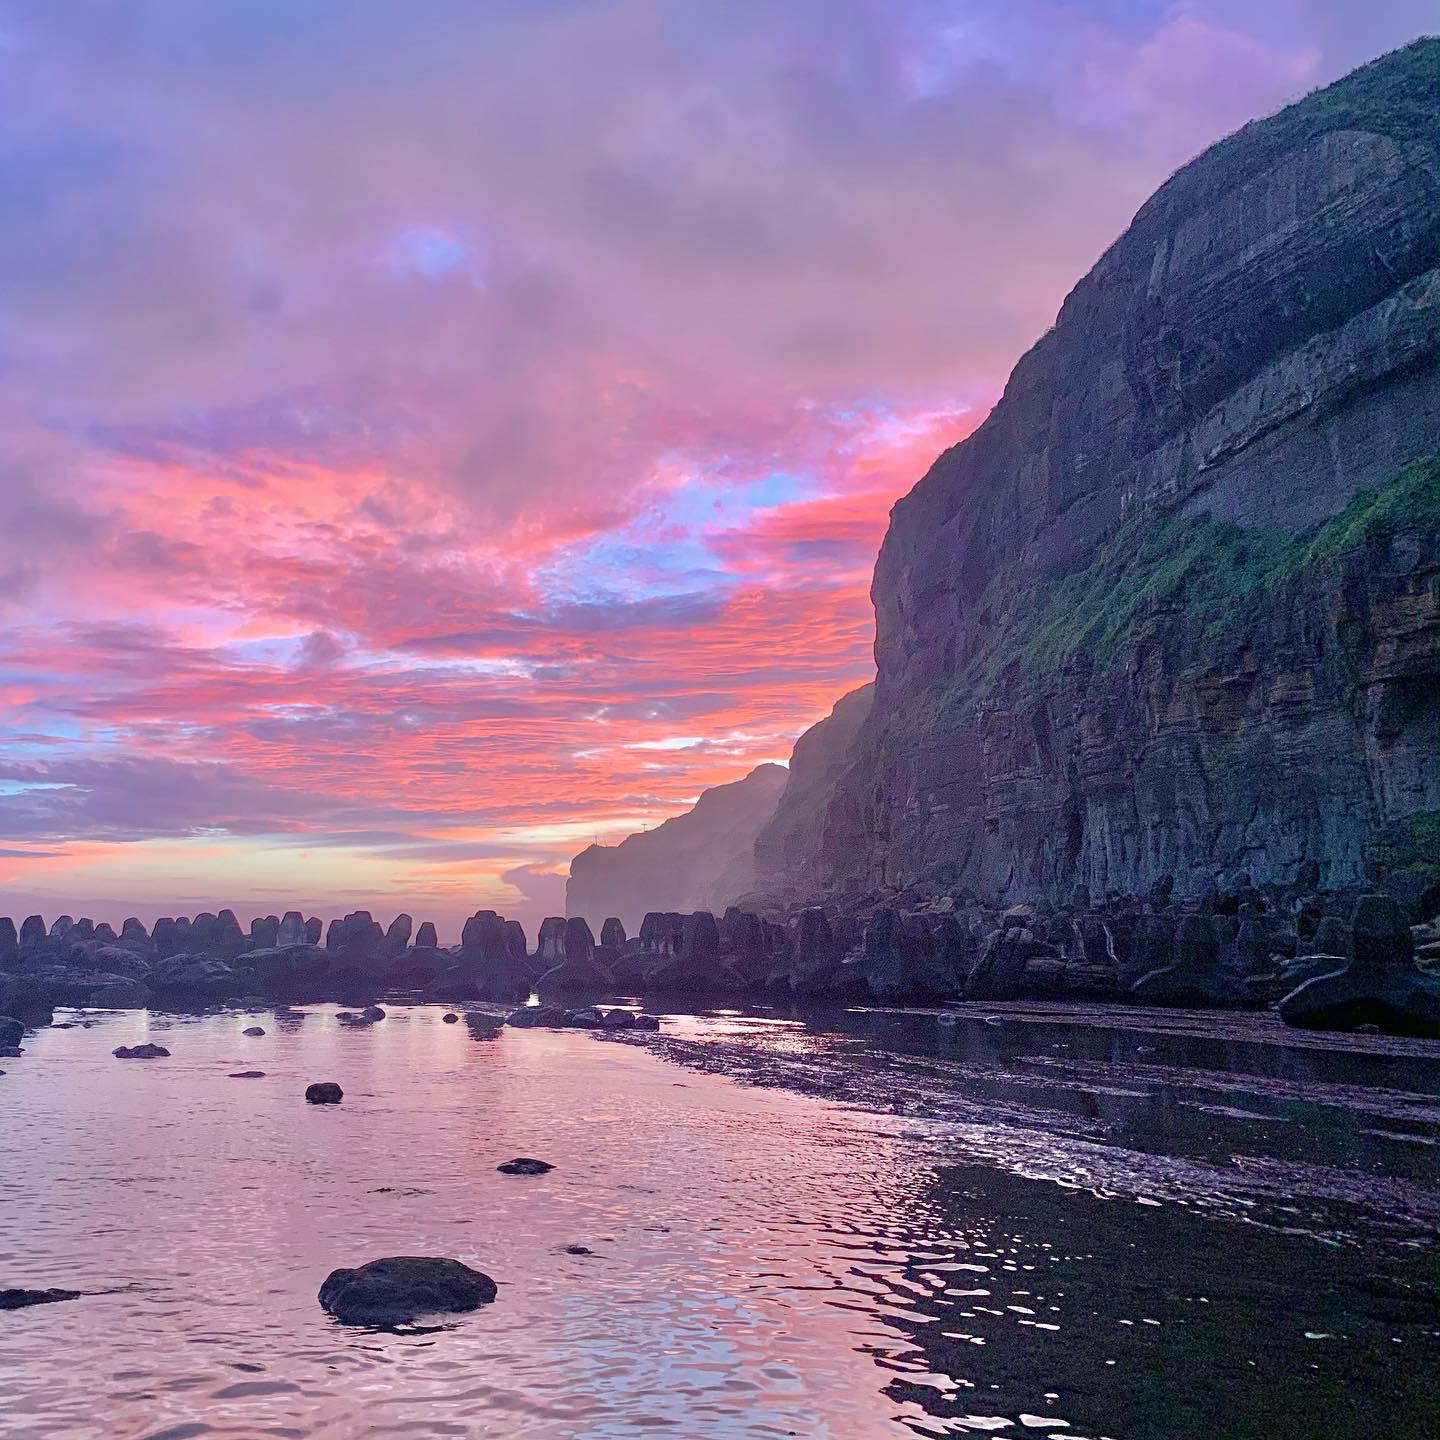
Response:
column 1175, row 607
column 696, row 861
column 788, row 847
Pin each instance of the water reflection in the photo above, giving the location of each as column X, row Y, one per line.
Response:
column 762, row 1263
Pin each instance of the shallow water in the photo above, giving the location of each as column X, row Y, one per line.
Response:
column 1022, row 1227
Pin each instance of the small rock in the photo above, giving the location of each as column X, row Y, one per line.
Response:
column 404, row 1288
column 325, row 1092
column 10, row 1031
column 141, row 1052
column 10, row 1052
column 246, row 1075
column 450, row 1018
column 524, row 1166
column 253, row 1030
column 372, row 1012
column 647, row 1022
column 19, row 1299
column 578, row 1250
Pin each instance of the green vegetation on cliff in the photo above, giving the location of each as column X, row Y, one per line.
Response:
column 1210, row 572
column 1204, row 573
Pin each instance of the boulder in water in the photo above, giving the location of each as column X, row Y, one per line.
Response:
column 534, row 1017
column 324, row 1092
column 11, row 1031
column 19, row 1299
column 525, row 1166
column 141, row 1052
column 404, row 1288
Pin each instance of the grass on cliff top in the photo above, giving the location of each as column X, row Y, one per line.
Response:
column 1397, row 95
column 1211, row 572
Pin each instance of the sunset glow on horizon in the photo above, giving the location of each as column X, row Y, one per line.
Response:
column 439, row 436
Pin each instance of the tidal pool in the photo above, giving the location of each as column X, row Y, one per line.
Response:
column 1025, row 1223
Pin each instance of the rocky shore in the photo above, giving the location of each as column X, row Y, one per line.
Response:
column 1336, row 962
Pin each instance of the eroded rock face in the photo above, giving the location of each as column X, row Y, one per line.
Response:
column 1175, row 607
column 403, row 1288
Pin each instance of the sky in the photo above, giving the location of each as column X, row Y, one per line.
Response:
column 436, row 434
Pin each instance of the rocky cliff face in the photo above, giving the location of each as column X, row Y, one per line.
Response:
column 1175, row 607
column 696, row 861
column 788, row 848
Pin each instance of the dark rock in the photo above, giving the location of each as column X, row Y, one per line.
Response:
column 141, row 1052
column 532, row 1017
column 189, row 975
column 742, row 941
column 647, row 1022
column 9, row 943
column 397, row 936
column 425, row 938
column 587, row 1018
column 811, row 965
column 618, row 1020
column 246, row 1075
column 661, row 932
column 312, row 931
column 1379, row 985
column 612, row 933
column 488, row 961
column 20, row 1299
column 404, row 1288
column 1332, row 937
column 515, row 943
column 1196, row 977
column 578, row 972
column 291, row 930
column 11, row 1031
column 324, row 1092
column 119, row 992
column 900, row 964
column 450, row 1018
column 253, row 1030
column 699, row 968
column 372, row 1013
column 525, row 1166
column 32, row 931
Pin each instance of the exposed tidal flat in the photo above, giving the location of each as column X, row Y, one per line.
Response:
column 1014, row 1220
